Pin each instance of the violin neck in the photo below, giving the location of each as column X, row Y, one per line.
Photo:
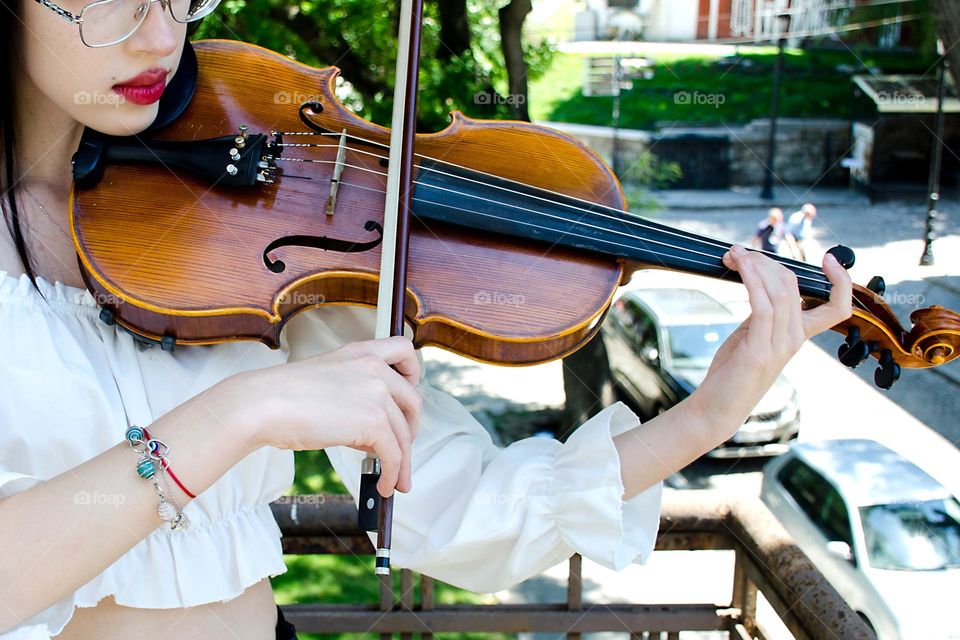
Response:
column 464, row 197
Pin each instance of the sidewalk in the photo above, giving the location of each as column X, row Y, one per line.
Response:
column 887, row 238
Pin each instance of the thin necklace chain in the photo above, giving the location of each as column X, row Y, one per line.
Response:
column 44, row 210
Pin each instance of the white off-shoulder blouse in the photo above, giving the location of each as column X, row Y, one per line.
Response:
column 479, row 516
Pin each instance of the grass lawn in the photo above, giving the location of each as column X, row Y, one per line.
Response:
column 714, row 90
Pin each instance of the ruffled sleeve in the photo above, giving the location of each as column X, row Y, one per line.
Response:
column 483, row 517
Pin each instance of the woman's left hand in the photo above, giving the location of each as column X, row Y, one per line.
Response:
column 749, row 361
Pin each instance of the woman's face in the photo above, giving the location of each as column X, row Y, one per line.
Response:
column 82, row 81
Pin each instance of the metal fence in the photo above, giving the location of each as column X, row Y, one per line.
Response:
column 766, row 560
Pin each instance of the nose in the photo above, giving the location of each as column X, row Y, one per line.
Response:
column 159, row 34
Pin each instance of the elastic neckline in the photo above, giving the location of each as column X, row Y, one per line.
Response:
column 57, row 293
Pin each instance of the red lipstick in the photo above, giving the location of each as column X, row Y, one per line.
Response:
column 145, row 88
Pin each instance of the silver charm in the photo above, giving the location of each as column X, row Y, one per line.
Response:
column 167, row 512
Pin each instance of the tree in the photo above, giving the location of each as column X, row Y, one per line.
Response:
column 462, row 65
column 947, row 14
column 512, row 17
column 454, row 29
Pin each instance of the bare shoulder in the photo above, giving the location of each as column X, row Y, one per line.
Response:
column 9, row 260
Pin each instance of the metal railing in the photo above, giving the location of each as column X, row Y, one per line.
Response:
column 767, row 559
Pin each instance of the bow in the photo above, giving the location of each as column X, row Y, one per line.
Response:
column 375, row 511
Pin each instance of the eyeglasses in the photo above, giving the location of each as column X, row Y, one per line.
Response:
column 108, row 22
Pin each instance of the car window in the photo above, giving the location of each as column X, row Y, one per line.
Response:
column 646, row 331
column 818, row 499
column 834, row 519
column 624, row 319
column 696, row 345
column 802, row 483
column 913, row 536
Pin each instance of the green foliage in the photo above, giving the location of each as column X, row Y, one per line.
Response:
column 360, row 37
column 315, row 474
column 735, row 90
column 650, row 171
column 350, row 580
column 644, row 172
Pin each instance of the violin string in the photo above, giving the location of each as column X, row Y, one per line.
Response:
column 502, row 204
column 628, row 235
column 787, row 261
column 642, row 222
column 794, row 264
column 824, row 291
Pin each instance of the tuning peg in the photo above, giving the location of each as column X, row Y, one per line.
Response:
column 877, row 285
column 887, row 372
column 844, row 255
column 241, row 140
column 234, row 154
column 853, row 351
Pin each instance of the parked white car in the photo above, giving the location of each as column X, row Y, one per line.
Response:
column 880, row 529
column 660, row 343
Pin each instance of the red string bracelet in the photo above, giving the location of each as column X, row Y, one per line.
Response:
column 166, row 467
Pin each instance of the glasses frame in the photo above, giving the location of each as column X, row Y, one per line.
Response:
column 78, row 19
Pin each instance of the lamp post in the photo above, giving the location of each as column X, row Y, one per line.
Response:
column 936, row 157
column 624, row 72
column 615, row 116
column 767, row 192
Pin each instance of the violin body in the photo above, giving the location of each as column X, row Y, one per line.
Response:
column 188, row 262
column 517, row 245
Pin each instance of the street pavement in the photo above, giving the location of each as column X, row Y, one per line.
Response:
column 918, row 417
column 888, row 241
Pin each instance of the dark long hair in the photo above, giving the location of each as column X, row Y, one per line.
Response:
column 11, row 32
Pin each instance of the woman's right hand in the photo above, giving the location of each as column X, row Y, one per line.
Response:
column 349, row 396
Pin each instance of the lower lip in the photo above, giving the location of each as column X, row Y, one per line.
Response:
column 146, row 94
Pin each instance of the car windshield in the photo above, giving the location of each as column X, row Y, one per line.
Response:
column 695, row 345
column 913, row 536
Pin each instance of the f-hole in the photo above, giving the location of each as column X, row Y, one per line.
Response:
column 322, row 242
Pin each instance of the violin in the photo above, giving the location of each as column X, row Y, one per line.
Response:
column 520, row 236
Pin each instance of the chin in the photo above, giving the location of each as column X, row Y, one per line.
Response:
column 124, row 121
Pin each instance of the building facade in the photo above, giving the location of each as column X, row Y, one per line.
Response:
column 742, row 20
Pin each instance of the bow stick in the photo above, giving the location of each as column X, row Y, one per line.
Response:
column 393, row 258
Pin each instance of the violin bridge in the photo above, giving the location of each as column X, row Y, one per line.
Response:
column 337, row 170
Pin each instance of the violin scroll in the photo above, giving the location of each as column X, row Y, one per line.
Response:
column 873, row 330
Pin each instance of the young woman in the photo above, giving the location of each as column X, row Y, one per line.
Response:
column 83, row 551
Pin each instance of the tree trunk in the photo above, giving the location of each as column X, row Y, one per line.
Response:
column 512, row 17
column 947, row 13
column 586, row 383
column 333, row 49
column 454, row 29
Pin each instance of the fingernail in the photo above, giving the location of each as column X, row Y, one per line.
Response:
column 832, row 259
column 738, row 250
